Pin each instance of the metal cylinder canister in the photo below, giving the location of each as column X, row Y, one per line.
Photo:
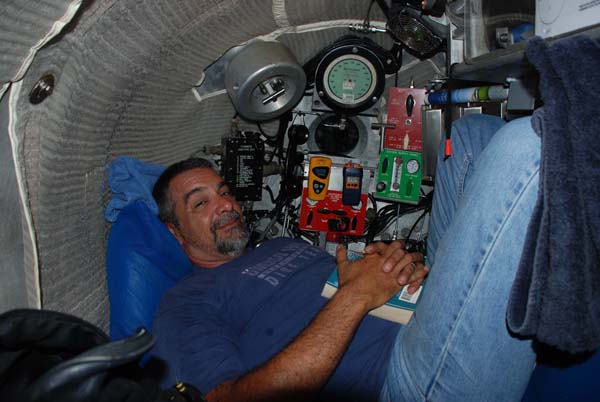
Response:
column 264, row 80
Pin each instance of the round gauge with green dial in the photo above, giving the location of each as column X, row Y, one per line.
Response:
column 350, row 79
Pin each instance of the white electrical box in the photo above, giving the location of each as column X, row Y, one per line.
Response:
column 556, row 17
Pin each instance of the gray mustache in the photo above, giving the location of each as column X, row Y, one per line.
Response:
column 226, row 219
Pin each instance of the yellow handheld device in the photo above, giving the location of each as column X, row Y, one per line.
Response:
column 319, row 171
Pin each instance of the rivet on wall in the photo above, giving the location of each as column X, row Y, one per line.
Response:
column 42, row 89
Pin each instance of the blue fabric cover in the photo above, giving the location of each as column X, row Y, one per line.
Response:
column 131, row 180
column 556, row 384
column 144, row 259
column 220, row 323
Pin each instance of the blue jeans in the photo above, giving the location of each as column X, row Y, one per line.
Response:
column 457, row 346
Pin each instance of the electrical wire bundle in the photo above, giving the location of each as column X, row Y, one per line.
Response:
column 387, row 215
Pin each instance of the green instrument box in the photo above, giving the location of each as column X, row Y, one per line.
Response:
column 399, row 176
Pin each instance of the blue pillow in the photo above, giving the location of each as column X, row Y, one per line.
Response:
column 143, row 260
column 131, row 180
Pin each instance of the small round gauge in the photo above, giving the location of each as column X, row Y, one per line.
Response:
column 350, row 79
column 412, row 166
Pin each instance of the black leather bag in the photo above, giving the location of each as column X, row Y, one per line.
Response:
column 49, row 356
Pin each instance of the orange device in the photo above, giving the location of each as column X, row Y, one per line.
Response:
column 319, row 171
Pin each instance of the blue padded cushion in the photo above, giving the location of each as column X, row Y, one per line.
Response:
column 131, row 180
column 143, row 260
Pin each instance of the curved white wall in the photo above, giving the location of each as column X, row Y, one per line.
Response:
column 124, row 72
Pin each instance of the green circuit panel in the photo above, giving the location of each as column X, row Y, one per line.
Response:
column 399, row 176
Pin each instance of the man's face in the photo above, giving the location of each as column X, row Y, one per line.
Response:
column 211, row 229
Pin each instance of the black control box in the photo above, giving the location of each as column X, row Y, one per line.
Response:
column 242, row 169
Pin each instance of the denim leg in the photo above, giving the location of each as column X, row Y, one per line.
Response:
column 457, row 347
column 470, row 135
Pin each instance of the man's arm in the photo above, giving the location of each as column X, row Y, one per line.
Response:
column 304, row 366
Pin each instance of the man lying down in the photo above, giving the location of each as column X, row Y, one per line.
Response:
column 250, row 325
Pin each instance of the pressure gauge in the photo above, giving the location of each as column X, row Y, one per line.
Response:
column 412, row 166
column 350, row 79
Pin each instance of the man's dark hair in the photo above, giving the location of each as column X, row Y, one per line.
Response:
column 160, row 192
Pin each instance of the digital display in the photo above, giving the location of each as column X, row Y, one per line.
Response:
column 321, row 172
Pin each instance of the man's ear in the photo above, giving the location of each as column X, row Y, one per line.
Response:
column 175, row 232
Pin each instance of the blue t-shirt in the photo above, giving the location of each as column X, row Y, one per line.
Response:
column 218, row 324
